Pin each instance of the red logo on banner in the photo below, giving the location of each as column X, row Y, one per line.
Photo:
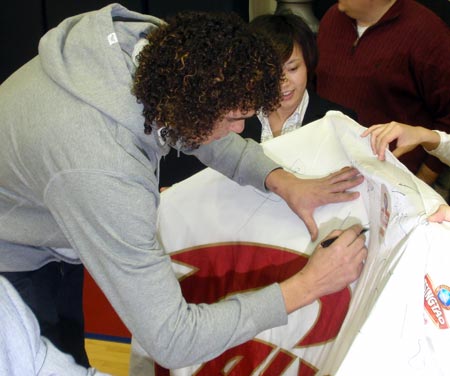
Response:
column 225, row 269
column 433, row 306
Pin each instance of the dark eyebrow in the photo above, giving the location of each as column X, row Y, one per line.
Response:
column 236, row 118
column 290, row 62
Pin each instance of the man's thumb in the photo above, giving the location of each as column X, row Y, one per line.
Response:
column 310, row 225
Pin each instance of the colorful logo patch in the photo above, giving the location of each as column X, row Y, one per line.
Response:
column 443, row 294
column 433, row 303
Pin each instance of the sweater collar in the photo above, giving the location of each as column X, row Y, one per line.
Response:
column 392, row 14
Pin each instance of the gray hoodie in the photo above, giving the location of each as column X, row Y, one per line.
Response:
column 23, row 351
column 77, row 183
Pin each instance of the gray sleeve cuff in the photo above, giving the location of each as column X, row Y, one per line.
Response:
column 266, row 307
column 242, row 160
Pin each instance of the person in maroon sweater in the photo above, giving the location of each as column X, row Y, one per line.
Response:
column 389, row 60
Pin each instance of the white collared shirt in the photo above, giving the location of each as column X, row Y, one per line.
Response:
column 293, row 122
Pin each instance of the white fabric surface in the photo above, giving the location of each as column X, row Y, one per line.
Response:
column 386, row 329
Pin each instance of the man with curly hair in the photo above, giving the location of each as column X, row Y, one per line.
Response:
column 83, row 126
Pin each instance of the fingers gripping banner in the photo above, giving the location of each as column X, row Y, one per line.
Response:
column 224, row 238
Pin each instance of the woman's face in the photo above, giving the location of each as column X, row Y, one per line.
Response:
column 294, row 81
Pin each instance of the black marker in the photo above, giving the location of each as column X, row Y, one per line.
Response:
column 328, row 242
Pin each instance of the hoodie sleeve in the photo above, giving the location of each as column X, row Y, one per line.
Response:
column 110, row 220
column 22, row 349
column 242, row 160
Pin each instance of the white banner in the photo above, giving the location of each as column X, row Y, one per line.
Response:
column 224, row 238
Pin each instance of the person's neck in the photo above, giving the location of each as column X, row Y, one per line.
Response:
column 278, row 117
column 380, row 8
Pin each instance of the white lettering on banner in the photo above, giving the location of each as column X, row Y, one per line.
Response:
column 208, row 281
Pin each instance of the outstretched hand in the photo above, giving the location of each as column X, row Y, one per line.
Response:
column 407, row 136
column 303, row 196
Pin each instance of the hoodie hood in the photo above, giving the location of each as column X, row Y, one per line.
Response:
column 90, row 56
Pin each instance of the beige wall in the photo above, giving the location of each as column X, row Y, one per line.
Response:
column 258, row 7
column 302, row 8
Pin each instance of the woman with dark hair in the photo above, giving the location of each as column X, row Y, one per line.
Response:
column 295, row 46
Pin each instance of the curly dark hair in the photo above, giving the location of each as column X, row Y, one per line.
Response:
column 199, row 67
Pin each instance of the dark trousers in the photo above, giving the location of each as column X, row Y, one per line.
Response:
column 55, row 295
